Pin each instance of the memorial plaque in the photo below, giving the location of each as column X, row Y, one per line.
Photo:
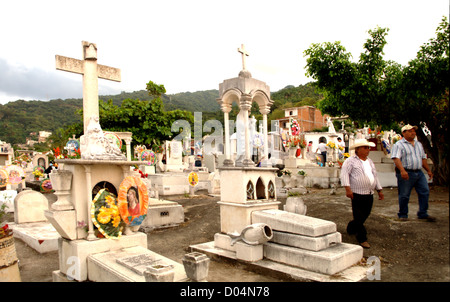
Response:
column 138, row 263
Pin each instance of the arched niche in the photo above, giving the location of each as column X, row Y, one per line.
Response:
column 260, row 189
column 250, row 190
column 271, row 190
column 104, row 185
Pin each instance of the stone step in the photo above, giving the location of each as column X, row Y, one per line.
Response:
column 306, row 242
column 294, row 223
column 329, row 261
column 116, row 266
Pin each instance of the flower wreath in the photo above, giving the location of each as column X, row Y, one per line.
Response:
column 295, row 128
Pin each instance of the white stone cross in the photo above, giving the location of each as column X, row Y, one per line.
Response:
column 91, row 71
column 244, row 54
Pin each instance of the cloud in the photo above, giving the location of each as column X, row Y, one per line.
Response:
column 38, row 84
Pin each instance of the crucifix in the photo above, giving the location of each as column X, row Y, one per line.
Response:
column 244, row 54
column 91, row 71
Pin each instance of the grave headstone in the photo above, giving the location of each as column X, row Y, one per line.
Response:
column 29, row 206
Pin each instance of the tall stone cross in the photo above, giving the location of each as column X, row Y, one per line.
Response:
column 91, row 71
column 244, row 54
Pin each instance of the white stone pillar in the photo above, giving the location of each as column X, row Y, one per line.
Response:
column 226, row 108
column 246, row 104
column 128, row 143
column 265, row 111
column 90, row 83
column 91, row 235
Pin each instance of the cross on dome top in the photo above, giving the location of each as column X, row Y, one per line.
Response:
column 244, row 53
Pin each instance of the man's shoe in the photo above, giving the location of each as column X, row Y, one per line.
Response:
column 428, row 219
column 402, row 219
column 365, row 245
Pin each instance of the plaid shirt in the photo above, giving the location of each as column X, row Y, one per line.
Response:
column 353, row 175
column 410, row 156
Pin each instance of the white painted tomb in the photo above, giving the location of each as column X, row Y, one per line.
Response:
column 82, row 255
column 30, row 224
column 296, row 245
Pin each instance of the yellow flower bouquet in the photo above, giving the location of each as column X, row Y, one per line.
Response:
column 38, row 173
column 105, row 214
column 331, row 145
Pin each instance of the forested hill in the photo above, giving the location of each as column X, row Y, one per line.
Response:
column 18, row 119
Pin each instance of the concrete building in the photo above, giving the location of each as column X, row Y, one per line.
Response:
column 308, row 117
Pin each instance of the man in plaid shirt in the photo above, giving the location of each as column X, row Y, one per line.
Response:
column 409, row 159
column 359, row 178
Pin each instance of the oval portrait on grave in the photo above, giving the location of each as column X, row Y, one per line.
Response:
column 133, row 200
column 193, row 179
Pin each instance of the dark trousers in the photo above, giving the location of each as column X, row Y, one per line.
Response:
column 361, row 207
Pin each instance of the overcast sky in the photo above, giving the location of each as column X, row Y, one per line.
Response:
column 192, row 45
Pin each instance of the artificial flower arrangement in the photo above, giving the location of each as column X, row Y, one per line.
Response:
column 158, row 149
column 295, row 127
column 4, row 228
column 38, row 173
column 286, row 172
column 296, row 141
column 106, row 216
column 140, row 172
column 301, row 172
column 74, row 155
column 331, row 145
column 342, row 158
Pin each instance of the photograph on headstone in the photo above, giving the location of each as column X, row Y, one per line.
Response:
column 251, row 161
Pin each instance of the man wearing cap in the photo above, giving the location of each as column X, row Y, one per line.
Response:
column 359, row 178
column 409, row 158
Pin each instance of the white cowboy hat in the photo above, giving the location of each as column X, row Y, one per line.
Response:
column 408, row 127
column 361, row 143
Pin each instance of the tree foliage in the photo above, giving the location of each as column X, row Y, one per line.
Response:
column 147, row 120
column 384, row 92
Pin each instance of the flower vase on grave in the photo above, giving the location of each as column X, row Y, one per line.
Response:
column 159, row 273
column 300, row 180
column 286, row 179
column 196, row 266
column 292, row 152
column 295, row 204
column 303, row 152
column 62, row 182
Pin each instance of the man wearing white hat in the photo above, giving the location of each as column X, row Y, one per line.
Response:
column 409, row 159
column 360, row 180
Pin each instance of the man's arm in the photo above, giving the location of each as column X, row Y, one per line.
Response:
column 427, row 168
column 399, row 166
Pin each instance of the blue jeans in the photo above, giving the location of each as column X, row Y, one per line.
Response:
column 418, row 181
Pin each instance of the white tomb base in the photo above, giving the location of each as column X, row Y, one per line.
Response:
column 40, row 236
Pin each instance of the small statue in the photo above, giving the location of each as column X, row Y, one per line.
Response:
column 95, row 146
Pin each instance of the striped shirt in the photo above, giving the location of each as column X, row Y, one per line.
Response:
column 410, row 156
column 353, row 174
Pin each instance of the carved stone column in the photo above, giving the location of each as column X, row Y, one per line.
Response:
column 226, row 108
column 128, row 143
column 246, row 104
column 91, row 235
column 265, row 111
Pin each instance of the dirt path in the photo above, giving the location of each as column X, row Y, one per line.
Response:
column 411, row 251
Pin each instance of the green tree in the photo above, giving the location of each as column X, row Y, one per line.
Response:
column 373, row 90
column 147, row 120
